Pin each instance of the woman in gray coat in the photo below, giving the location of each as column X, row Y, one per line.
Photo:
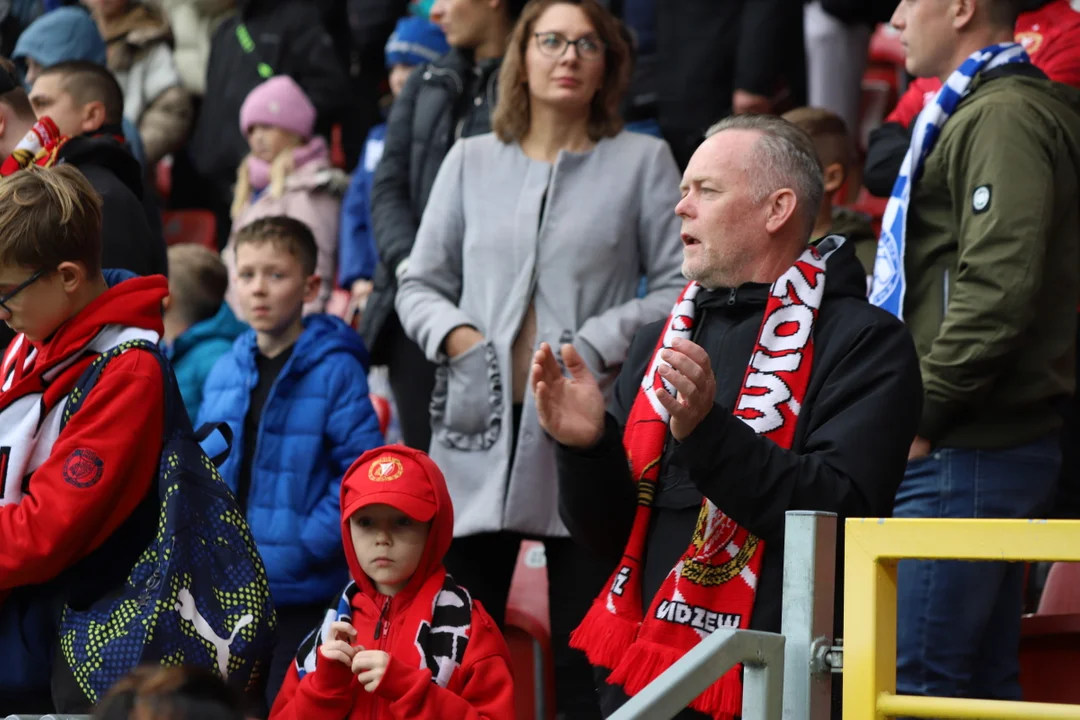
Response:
column 539, row 232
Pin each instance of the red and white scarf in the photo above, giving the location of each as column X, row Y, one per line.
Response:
column 39, row 146
column 713, row 584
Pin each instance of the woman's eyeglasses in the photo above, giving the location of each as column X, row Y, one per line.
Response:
column 10, row 294
column 554, row 45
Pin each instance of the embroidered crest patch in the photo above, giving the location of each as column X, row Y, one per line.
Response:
column 385, row 469
column 980, row 199
column 83, row 468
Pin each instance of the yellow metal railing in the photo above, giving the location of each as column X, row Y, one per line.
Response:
column 872, row 550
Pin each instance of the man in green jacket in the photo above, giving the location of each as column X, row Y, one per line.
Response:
column 979, row 254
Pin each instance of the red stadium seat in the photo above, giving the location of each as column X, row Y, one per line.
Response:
column 1050, row 640
column 528, row 633
column 1061, row 594
column 190, row 226
column 885, row 47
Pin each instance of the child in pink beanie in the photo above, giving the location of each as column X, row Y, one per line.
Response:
column 288, row 172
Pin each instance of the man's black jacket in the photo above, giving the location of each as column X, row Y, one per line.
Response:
column 857, row 422
column 128, row 237
column 289, row 36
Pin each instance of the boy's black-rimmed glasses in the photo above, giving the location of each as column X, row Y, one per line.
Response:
column 10, row 294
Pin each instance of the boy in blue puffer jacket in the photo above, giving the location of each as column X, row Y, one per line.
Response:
column 199, row 326
column 294, row 392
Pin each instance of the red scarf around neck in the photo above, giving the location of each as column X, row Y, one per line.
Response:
column 713, row 584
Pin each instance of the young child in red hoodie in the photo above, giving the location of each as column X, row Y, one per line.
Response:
column 404, row 640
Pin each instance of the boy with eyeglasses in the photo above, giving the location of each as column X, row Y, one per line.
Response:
column 76, row 505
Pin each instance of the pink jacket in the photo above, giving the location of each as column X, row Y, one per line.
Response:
column 313, row 195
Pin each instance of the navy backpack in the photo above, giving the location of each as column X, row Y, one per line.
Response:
column 197, row 595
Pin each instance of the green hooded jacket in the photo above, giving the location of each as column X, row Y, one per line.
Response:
column 992, row 263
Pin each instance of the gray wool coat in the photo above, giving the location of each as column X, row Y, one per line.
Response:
column 501, row 230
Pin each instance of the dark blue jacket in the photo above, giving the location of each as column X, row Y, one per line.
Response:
column 357, row 254
column 316, row 422
column 197, row 349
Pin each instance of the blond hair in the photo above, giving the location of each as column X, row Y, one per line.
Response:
column 511, row 117
column 280, row 169
column 49, row 216
column 198, row 280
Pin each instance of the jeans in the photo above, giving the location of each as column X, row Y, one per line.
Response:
column 958, row 631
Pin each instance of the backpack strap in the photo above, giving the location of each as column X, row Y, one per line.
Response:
column 206, row 430
column 90, row 376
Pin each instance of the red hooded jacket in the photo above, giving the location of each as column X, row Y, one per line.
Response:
column 1051, row 36
column 95, row 472
column 481, row 688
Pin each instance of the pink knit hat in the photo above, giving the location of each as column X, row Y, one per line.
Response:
column 279, row 102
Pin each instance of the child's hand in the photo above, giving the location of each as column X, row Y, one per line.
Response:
column 339, row 649
column 369, row 666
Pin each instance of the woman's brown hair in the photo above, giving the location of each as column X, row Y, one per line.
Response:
column 511, row 118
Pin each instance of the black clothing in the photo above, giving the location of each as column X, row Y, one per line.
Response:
column 367, row 24
column 412, row 380
column 127, row 233
column 707, row 49
column 485, row 564
column 441, row 102
column 865, row 12
column 268, row 370
column 294, row 623
column 859, row 417
column 290, row 38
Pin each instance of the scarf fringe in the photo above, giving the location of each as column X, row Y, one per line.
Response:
column 645, row 661
column 603, row 636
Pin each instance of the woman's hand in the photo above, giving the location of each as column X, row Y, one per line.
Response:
column 461, row 340
column 570, row 409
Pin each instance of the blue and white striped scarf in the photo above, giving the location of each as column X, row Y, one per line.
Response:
column 889, row 286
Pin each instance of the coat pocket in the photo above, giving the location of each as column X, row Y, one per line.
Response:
column 467, row 403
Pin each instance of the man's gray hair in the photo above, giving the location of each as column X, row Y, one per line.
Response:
column 784, row 157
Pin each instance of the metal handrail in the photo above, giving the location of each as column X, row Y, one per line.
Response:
column 762, row 656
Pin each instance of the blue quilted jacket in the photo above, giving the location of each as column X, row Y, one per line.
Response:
column 316, row 422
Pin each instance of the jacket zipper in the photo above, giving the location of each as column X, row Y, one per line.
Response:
column 382, row 617
column 731, row 298
column 385, row 637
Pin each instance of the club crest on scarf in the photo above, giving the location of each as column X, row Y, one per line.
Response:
column 713, row 584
